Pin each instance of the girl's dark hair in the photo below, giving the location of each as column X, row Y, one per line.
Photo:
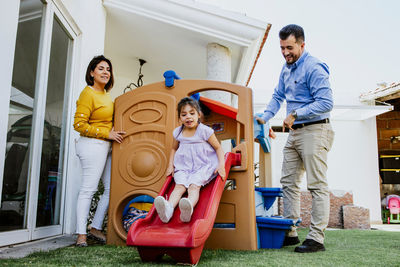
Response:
column 92, row 65
column 191, row 102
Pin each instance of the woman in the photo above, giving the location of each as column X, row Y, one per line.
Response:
column 94, row 122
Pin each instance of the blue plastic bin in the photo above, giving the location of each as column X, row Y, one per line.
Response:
column 269, row 194
column 271, row 231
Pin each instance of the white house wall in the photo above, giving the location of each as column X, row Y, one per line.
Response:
column 353, row 163
column 90, row 17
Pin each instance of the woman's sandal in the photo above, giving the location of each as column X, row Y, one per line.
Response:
column 81, row 244
column 96, row 238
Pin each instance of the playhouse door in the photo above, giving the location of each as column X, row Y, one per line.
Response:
column 143, row 155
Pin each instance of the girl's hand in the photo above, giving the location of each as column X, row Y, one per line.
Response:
column 221, row 171
column 116, row 135
column 170, row 171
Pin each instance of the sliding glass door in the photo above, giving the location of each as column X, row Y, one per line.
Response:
column 33, row 169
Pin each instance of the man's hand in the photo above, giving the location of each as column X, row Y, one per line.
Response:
column 288, row 122
column 259, row 120
column 271, row 133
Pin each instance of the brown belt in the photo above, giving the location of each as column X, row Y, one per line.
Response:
column 301, row 125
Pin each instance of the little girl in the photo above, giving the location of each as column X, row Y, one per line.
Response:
column 195, row 159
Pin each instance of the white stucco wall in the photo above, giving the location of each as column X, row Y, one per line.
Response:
column 352, row 163
column 90, row 17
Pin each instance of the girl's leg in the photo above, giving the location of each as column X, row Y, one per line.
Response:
column 176, row 195
column 193, row 194
column 165, row 209
column 186, row 204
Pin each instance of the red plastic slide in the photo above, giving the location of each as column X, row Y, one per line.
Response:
column 184, row 242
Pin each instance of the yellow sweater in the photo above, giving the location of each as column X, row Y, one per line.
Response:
column 94, row 114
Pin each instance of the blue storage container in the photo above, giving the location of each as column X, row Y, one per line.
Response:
column 271, row 231
column 269, row 194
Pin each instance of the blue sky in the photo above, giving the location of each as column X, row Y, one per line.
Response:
column 358, row 39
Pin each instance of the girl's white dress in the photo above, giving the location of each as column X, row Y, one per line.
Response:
column 195, row 160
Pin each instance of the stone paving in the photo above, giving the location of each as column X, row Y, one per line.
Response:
column 47, row 244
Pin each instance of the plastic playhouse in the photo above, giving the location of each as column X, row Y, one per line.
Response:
column 225, row 215
column 391, row 209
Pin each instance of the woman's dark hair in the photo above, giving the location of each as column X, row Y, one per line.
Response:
column 191, row 102
column 92, row 65
column 292, row 29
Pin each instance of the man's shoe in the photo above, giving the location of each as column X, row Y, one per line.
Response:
column 310, row 245
column 291, row 240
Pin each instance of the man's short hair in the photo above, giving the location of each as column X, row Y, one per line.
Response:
column 292, row 29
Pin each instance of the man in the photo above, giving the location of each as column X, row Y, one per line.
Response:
column 304, row 84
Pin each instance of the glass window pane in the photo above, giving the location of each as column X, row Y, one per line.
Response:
column 13, row 213
column 48, row 211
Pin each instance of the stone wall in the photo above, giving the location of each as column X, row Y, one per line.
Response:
column 388, row 126
column 355, row 217
column 338, row 198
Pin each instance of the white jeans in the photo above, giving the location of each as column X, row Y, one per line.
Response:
column 95, row 158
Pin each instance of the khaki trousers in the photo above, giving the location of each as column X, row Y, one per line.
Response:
column 306, row 150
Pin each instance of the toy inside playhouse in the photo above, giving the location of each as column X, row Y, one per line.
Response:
column 225, row 216
column 389, row 164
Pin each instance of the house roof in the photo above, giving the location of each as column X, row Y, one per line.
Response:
column 383, row 93
column 173, row 34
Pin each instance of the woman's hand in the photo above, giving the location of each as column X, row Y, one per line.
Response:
column 116, row 135
column 221, row 171
column 170, row 171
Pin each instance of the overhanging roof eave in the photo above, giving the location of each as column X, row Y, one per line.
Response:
column 206, row 19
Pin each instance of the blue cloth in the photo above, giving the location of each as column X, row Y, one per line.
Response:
column 132, row 215
column 261, row 133
column 305, row 87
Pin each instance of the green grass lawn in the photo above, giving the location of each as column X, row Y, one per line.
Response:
column 343, row 248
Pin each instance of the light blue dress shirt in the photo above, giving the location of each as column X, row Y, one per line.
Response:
column 305, row 87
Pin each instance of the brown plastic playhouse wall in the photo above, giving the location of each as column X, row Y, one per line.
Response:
column 148, row 115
